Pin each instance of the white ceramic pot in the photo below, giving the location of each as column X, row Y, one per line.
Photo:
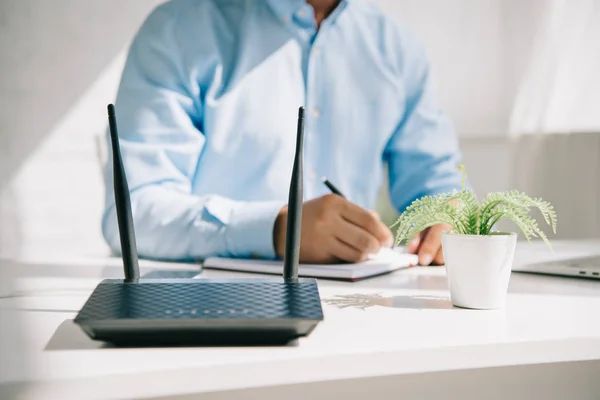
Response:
column 478, row 268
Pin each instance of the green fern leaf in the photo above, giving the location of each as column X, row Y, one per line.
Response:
column 469, row 213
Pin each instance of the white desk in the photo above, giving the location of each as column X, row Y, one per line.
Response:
column 394, row 336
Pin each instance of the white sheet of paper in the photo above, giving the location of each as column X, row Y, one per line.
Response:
column 386, row 260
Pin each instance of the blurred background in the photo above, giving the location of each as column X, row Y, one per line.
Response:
column 519, row 78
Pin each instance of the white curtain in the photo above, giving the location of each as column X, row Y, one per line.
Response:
column 560, row 90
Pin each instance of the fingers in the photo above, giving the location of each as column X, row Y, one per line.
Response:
column 430, row 245
column 413, row 246
column 369, row 221
column 389, row 237
column 439, row 258
column 358, row 238
column 344, row 252
column 337, row 230
column 430, row 249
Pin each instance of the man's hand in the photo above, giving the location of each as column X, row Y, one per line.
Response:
column 334, row 230
column 428, row 245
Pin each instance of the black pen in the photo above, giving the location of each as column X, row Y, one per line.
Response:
column 331, row 187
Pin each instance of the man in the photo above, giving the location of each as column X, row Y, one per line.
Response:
column 207, row 112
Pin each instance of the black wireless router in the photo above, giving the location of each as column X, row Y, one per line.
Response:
column 142, row 312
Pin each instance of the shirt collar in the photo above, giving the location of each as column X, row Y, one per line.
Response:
column 285, row 9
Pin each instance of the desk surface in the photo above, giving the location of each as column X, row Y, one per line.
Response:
column 401, row 323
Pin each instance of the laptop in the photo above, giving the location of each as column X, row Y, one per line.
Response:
column 583, row 267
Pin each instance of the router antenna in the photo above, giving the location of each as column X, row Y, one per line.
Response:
column 294, row 215
column 123, row 204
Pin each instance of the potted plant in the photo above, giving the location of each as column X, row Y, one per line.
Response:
column 478, row 259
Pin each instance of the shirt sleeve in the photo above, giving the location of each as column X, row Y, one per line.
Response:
column 159, row 114
column 423, row 153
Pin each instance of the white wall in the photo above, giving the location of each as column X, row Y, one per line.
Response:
column 60, row 63
column 57, row 194
column 51, row 52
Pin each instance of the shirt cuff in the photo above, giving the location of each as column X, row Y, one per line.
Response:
column 250, row 229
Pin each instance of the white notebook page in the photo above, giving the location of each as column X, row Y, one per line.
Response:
column 387, row 260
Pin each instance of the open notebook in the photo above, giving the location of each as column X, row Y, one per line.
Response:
column 387, row 260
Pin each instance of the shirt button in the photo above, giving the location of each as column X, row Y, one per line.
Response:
column 301, row 12
column 313, row 174
column 316, row 51
column 316, row 112
column 285, row 20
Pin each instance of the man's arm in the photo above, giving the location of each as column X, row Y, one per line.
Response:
column 159, row 113
column 423, row 153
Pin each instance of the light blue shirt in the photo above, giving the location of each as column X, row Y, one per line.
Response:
column 207, row 113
